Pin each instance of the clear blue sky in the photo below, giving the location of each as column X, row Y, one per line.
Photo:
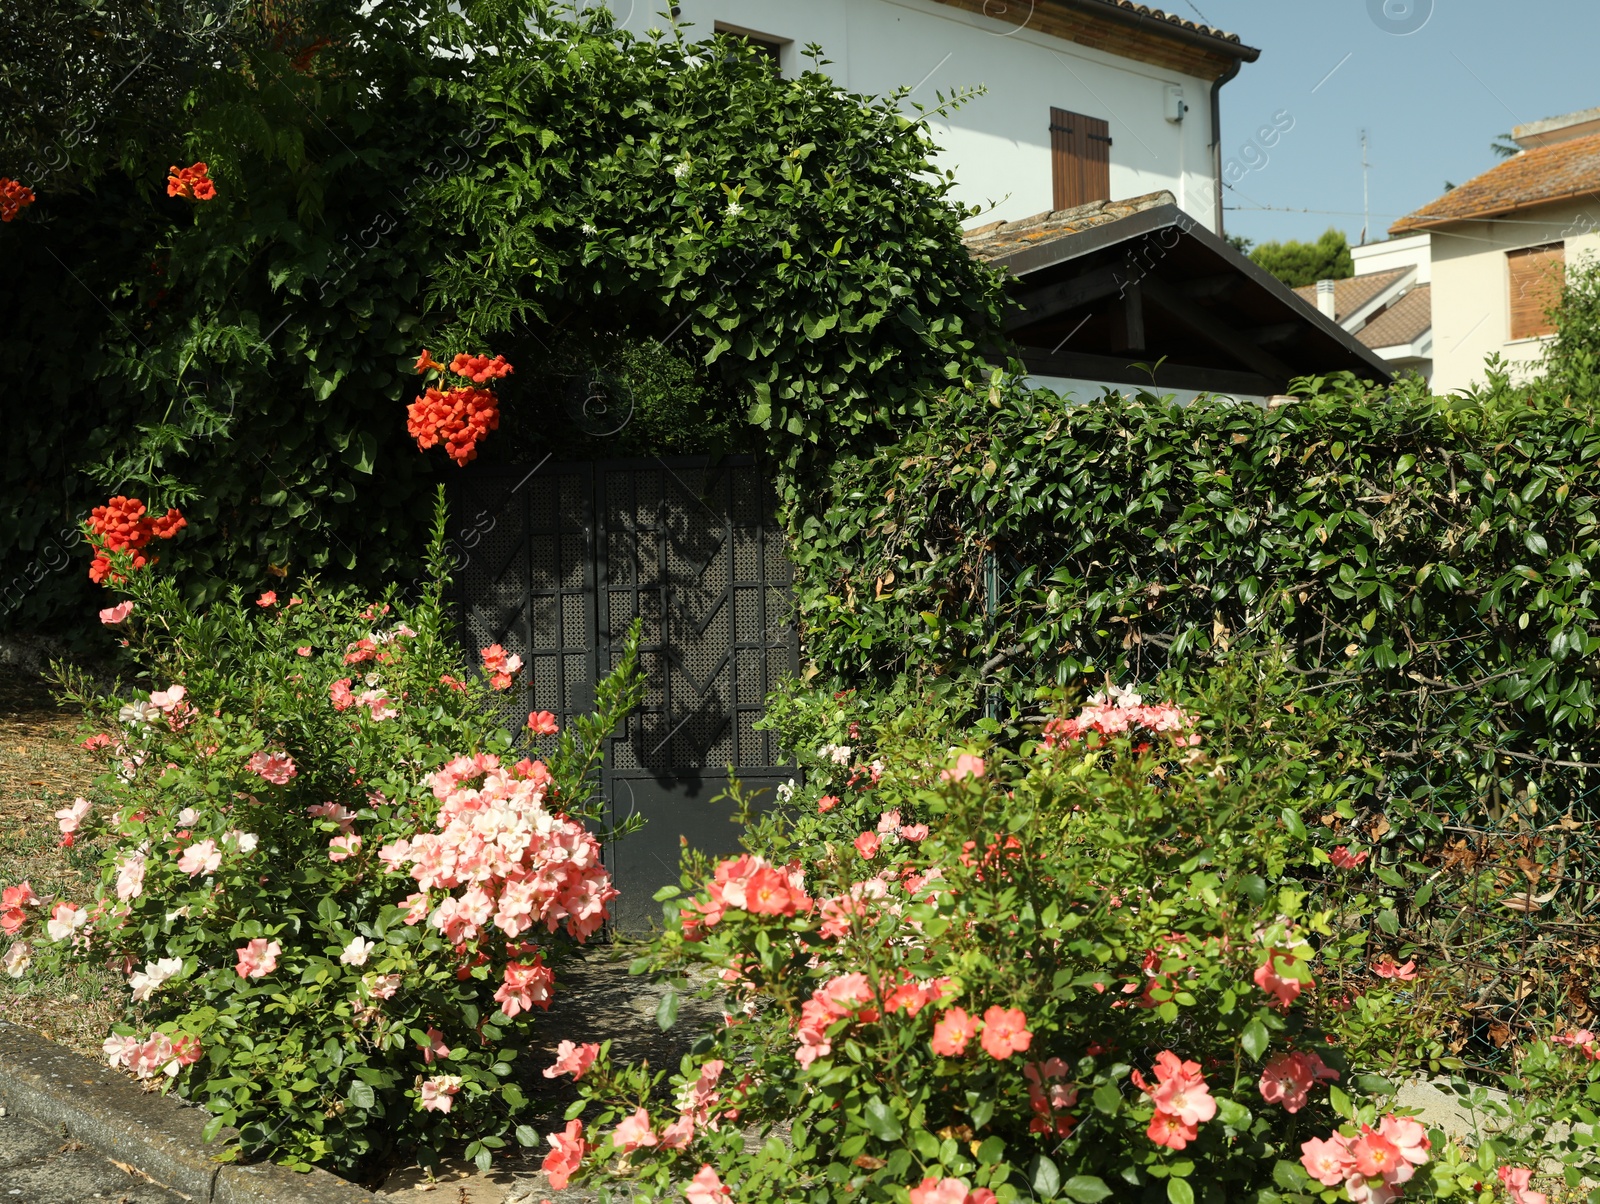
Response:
column 1431, row 101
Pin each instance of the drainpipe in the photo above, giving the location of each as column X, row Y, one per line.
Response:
column 1216, row 136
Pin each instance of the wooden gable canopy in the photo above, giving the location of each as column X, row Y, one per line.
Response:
column 1101, row 291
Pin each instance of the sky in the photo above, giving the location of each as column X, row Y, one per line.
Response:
column 1432, row 82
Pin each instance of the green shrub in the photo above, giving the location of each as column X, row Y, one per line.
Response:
column 321, row 954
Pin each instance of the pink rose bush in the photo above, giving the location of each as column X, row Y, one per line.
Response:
column 303, row 811
column 1085, row 980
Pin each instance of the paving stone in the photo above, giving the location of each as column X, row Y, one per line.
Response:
column 41, row 1167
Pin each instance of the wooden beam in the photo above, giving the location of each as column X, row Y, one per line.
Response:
column 1042, row 304
column 1119, row 370
column 1210, row 326
column 1128, row 320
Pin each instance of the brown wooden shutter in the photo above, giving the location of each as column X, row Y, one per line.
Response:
column 1536, row 275
column 1080, row 159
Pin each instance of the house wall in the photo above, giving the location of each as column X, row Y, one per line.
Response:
column 1471, row 289
column 997, row 144
column 1411, row 250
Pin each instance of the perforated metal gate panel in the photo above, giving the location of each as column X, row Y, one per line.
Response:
column 556, row 562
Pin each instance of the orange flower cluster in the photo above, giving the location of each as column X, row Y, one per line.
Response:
column 479, row 368
column 457, row 417
column 122, row 525
column 192, row 183
column 14, row 198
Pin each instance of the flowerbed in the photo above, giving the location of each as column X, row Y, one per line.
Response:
column 335, row 886
column 1071, row 969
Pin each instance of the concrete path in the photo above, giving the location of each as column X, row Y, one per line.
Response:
column 41, row 1167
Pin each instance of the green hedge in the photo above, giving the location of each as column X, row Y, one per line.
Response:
column 1435, row 578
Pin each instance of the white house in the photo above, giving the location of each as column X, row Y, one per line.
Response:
column 1086, row 100
column 1499, row 245
column 1388, row 303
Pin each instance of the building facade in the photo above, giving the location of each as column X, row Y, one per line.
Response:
column 1500, row 246
column 1083, row 100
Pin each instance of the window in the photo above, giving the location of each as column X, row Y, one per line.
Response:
column 763, row 44
column 1080, row 159
column 1536, row 275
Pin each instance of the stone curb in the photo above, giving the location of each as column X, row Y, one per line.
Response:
column 155, row 1134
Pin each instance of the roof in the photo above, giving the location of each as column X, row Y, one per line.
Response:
column 1138, row 292
column 1351, row 294
column 1156, row 15
column 1558, row 172
column 999, row 239
column 1556, row 129
column 1404, row 322
column 1125, row 28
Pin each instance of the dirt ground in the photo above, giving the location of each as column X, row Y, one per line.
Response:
column 42, row 769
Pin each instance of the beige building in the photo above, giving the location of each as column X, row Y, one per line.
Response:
column 1499, row 246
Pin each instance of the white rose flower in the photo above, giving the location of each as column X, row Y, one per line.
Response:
column 357, row 951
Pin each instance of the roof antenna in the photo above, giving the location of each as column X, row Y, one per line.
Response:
column 1365, row 208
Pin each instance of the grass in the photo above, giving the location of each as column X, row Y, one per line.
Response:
column 42, row 769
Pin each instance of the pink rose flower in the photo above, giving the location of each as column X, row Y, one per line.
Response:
column 573, row 1059
column 202, row 857
column 633, row 1132
column 259, row 958
column 275, row 767
column 113, row 615
column 439, row 1092
column 966, row 766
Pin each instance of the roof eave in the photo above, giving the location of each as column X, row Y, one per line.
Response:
column 1177, row 33
column 1146, row 221
column 1407, row 225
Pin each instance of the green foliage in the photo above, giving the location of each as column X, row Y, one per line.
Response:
column 1366, row 540
column 731, row 246
column 322, row 1057
column 1123, row 901
column 1301, row 263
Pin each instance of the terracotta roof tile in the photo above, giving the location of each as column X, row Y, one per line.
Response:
column 1407, row 320
column 1145, row 10
column 1352, row 293
column 998, row 239
column 1535, row 177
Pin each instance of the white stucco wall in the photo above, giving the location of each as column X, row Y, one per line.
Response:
column 1408, row 251
column 997, row 144
column 1472, row 293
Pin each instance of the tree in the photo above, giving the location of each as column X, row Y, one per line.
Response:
column 1301, row 263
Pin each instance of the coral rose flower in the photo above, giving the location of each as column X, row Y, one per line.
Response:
column 951, row 1032
column 706, row 1188
column 562, row 1162
column 1005, row 1032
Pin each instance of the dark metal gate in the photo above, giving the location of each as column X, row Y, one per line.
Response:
column 555, row 562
